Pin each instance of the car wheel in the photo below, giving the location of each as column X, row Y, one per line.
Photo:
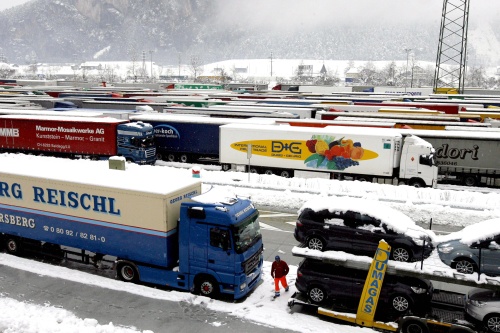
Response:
column 400, row 303
column 317, row 295
column 465, row 266
column 492, row 323
column 414, row 326
column 400, row 253
column 315, row 243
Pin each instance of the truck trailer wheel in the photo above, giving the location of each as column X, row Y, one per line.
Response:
column 184, row 158
column 207, row 286
column 127, row 272
column 470, row 180
column 225, row 167
column 414, row 326
column 171, row 158
column 13, row 245
column 286, row 174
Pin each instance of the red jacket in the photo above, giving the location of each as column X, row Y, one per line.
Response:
column 279, row 269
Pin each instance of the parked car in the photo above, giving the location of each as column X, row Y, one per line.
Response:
column 326, row 283
column 482, row 305
column 356, row 226
column 462, row 249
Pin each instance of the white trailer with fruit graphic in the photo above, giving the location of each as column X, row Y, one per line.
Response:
column 365, row 154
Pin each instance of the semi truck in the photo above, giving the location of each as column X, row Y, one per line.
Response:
column 467, row 157
column 78, row 137
column 364, row 154
column 158, row 225
column 189, row 138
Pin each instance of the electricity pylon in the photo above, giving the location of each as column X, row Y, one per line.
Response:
column 452, row 49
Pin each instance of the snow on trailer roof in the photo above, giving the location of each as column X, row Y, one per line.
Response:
column 65, row 118
column 141, row 178
column 199, row 120
column 392, row 218
column 44, row 112
column 369, row 131
column 461, row 134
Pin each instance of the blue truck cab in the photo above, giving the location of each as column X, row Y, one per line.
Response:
column 220, row 246
column 135, row 142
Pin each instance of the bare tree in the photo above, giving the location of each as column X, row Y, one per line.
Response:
column 195, row 66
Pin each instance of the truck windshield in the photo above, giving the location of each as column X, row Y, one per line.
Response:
column 246, row 233
column 428, row 160
column 143, row 142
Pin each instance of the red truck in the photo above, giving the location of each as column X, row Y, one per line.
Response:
column 75, row 137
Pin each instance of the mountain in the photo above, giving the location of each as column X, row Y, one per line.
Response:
column 175, row 31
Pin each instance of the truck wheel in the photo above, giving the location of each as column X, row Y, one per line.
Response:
column 492, row 323
column 207, row 286
column 414, row 326
column 13, row 246
column 400, row 303
column 127, row 272
column 315, row 243
column 268, row 172
column 470, row 181
column 286, row 174
column 400, row 253
column 317, row 295
column 171, row 158
column 465, row 266
column 225, row 167
column 416, row 183
column 254, row 170
column 184, row 158
column 364, row 179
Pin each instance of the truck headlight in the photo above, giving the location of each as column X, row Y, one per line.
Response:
column 243, row 286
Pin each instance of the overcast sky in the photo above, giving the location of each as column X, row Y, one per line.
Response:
column 4, row 4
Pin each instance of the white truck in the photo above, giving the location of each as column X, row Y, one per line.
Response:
column 333, row 152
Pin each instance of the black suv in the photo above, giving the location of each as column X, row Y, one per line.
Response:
column 358, row 233
column 325, row 283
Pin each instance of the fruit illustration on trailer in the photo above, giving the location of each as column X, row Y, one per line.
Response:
column 337, row 154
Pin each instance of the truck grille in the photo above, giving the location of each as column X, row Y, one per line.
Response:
column 251, row 263
column 150, row 152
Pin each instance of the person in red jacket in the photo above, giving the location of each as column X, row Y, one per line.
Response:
column 279, row 270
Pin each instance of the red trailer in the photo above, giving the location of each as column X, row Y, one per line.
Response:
column 59, row 135
column 449, row 108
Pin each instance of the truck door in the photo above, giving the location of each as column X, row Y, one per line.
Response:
column 198, row 246
column 220, row 254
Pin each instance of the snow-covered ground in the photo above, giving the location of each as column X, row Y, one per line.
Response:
column 451, row 207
